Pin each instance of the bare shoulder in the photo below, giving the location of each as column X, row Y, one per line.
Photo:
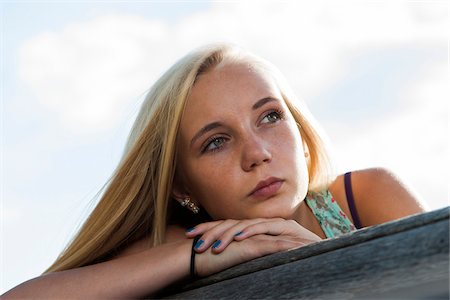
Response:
column 173, row 233
column 380, row 196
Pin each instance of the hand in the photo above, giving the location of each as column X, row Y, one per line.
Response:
column 219, row 234
column 252, row 238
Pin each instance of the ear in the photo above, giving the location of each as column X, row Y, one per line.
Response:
column 179, row 191
column 179, row 196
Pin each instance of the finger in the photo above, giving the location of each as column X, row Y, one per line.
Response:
column 288, row 228
column 212, row 235
column 228, row 235
column 201, row 228
column 274, row 226
column 220, row 236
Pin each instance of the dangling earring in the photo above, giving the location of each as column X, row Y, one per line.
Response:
column 190, row 205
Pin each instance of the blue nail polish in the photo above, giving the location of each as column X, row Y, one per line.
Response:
column 190, row 229
column 217, row 243
column 239, row 233
column 199, row 244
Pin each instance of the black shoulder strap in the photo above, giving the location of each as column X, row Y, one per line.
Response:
column 351, row 200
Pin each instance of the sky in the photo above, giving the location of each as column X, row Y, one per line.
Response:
column 73, row 74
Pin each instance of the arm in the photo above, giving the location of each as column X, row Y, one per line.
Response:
column 131, row 276
column 379, row 195
column 139, row 271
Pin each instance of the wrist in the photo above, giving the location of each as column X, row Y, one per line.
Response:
column 192, row 269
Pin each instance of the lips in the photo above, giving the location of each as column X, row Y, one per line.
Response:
column 267, row 188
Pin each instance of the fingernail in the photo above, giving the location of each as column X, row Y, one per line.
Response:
column 199, row 244
column 190, row 229
column 239, row 233
column 217, row 243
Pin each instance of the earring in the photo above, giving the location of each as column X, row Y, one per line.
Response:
column 190, row 205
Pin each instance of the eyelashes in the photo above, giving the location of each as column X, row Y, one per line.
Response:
column 213, row 143
column 273, row 116
column 217, row 142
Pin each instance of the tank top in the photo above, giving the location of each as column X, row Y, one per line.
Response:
column 332, row 219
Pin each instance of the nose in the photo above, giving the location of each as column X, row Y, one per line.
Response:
column 254, row 153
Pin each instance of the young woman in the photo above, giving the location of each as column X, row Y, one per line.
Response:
column 222, row 150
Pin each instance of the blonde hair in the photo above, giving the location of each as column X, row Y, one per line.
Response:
column 135, row 202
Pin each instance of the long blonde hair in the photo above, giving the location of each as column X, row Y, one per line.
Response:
column 135, row 201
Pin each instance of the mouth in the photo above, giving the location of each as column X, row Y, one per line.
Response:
column 267, row 188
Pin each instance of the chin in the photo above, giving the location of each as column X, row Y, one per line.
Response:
column 275, row 212
column 280, row 208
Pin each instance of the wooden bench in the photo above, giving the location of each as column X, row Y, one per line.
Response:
column 404, row 259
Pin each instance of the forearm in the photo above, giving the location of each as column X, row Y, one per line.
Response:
column 131, row 276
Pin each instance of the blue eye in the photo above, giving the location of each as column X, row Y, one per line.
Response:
column 273, row 117
column 213, row 144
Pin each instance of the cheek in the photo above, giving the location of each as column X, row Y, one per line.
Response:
column 212, row 186
column 296, row 157
column 289, row 142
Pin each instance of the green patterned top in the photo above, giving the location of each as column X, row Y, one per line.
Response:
column 332, row 219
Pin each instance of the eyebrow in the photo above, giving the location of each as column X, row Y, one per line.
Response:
column 204, row 130
column 214, row 125
column 263, row 101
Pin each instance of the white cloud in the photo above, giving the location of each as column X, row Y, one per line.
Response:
column 88, row 72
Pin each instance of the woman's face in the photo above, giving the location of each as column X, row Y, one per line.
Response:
column 240, row 151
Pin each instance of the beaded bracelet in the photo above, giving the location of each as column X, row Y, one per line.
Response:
column 194, row 242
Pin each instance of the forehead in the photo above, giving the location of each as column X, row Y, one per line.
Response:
column 233, row 79
column 230, row 88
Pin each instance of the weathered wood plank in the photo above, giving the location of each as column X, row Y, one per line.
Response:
column 402, row 258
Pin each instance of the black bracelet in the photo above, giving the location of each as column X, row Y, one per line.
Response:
column 194, row 242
